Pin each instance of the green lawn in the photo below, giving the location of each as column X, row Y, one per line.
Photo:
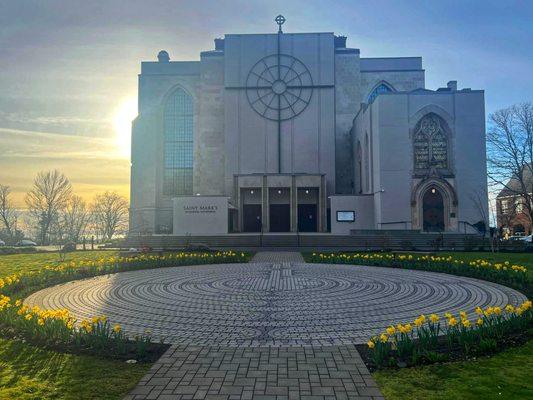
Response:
column 27, row 372
column 506, row 375
column 18, row 263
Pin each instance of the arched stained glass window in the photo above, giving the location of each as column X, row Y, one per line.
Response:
column 379, row 89
column 430, row 144
column 178, row 144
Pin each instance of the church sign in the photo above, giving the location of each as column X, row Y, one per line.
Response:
column 200, row 215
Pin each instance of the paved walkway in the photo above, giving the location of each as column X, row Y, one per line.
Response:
column 317, row 373
column 278, row 257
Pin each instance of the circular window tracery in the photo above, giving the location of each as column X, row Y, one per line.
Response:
column 279, row 87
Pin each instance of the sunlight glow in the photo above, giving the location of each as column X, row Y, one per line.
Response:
column 124, row 115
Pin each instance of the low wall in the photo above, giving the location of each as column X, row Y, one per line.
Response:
column 364, row 240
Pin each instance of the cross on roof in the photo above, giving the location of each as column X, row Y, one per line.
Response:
column 280, row 20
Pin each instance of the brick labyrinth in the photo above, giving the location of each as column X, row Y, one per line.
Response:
column 270, row 304
column 276, row 328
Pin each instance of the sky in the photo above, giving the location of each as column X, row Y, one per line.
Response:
column 68, row 69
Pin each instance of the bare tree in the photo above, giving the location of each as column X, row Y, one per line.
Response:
column 510, row 152
column 75, row 218
column 8, row 214
column 479, row 201
column 110, row 213
column 49, row 195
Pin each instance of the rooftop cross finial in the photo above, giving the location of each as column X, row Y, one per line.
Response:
column 280, row 20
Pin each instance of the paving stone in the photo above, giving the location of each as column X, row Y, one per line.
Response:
column 276, row 328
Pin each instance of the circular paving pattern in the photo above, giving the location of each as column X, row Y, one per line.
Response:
column 270, row 304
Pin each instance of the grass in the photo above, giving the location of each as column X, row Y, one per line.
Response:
column 27, row 372
column 506, row 375
column 18, row 263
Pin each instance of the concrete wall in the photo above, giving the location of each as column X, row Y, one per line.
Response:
column 200, row 215
column 210, row 154
column 390, row 122
column 364, row 213
column 308, row 140
column 347, row 101
column 150, row 210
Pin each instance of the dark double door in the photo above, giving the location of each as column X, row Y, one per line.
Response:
column 280, row 218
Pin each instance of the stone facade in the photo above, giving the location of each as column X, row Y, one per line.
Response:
column 391, row 124
column 303, row 107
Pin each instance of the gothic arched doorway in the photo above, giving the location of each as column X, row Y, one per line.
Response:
column 433, row 211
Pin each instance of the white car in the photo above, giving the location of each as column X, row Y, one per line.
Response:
column 26, row 242
column 2, row 243
column 527, row 239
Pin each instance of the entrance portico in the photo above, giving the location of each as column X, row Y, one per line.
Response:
column 280, row 202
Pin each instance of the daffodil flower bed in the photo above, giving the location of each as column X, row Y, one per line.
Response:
column 440, row 338
column 59, row 329
column 505, row 273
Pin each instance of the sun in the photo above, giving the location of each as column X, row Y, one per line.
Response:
column 124, row 115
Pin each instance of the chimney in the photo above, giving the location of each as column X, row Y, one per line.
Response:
column 163, row 57
column 340, row 42
column 452, row 85
column 219, row 44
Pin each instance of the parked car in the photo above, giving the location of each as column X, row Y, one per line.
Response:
column 527, row 239
column 2, row 243
column 26, row 242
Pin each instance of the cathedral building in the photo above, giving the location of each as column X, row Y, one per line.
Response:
column 296, row 132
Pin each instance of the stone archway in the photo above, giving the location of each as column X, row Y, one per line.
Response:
column 434, row 211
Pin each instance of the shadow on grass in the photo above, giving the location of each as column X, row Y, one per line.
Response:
column 506, row 375
column 27, row 372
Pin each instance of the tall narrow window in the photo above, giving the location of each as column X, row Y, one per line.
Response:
column 379, row 89
column 367, row 164
column 178, row 144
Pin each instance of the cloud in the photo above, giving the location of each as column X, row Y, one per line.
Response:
column 92, row 164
